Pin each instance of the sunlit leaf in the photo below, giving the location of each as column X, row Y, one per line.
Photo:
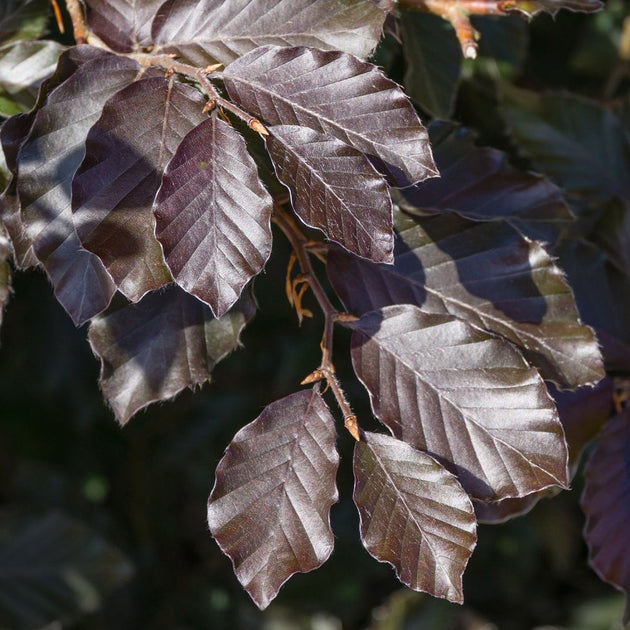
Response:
column 334, row 188
column 487, row 274
column 339, row 95
column 154, row 349
column 23, row 19
column 23, row 67
column 213, row 215
column 464, row 396
column 114, row 189
column 414, row 515
column 533, row 7
column 124, row 25
column 207, row 31
column 605, row 503
column 269, row 508
column 54, row 569
column 47, row 163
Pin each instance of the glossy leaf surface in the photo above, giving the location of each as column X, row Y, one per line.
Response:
column 339, row 95
column 414, row 515
column 605, row 503
column 47, row 163
column 269, row 508
column 486, row 274
column 464, row 396
column 213, row 215
column 114, row 189
column 334, row 188
column 154, row 349
column 208, row 31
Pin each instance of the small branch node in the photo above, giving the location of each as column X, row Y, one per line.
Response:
column 350, row 422
column 257, row 126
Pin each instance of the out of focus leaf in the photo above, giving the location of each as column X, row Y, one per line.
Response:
column 339, row 95
column 605, row 503
column 5, row 269
column 334, row 188
column 533, row 7
column 54, row 569
column 434, row 62
column 23, row 67
column 466, row 397
column 23, row 19
column 47, row 163
column 113, row 191
column 270, row 505
column 414, row 515
column 213, row 215
column 207, row 31
column 486, row 274
column 504, row 38
column 166, row 342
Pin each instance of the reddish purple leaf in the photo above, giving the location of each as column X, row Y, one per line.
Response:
column 213, row 215
column 334, row 188
column 205, row 31
column 338, row 95
column 114, row 189
column 415, row 515
column 605, row 503
column 270, row 505
column 154, row 349
column 464, row 396
column 487, row 274
column 47, row 162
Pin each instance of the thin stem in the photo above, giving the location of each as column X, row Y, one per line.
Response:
column 326, row 369
column 78, row 22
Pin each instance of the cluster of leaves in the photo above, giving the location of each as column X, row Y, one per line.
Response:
column 143, row 171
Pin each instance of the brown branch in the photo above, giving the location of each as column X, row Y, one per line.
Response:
column 78, row 21
column 326, row 370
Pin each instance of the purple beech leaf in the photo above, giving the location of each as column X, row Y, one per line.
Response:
column 338, row 95
column 479, row 183
column 465, row 397
column 208, row 31
column 270, row 505
column 213, row 215
column 605, row 503
column 114, row 189
column 47, row 162
column 533, row 7
column 415, row 515
column 334, row 188
column 486, row 274
column 124, row 25
column 5, row 269
column 152, row 350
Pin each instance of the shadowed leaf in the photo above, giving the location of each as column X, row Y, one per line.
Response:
column 114, row 189
column 154, row 349
column 207, row 31
column 339, row 95
column 213, row 215
column 23, row 67
column 23, row 19
column 334, row 188
column 414, row 515
column 269, row 508
column 486, row 274
column 47, row 162
column 605, row 503
column 125, row 25
column 464, row 396
column 53, row 569
column 5, row 269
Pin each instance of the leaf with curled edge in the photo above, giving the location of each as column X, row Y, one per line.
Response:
column 339, row 95
column 335, row 189
column 530, row 8
column 124, row 25
column 113, row 191
column 605, row 503
column 47, row 162
column 415, row 515
column 155, row 348
column 464, row 396
column 487, row 274
column 213, row 215
column 203, row 32
column 270, row 505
